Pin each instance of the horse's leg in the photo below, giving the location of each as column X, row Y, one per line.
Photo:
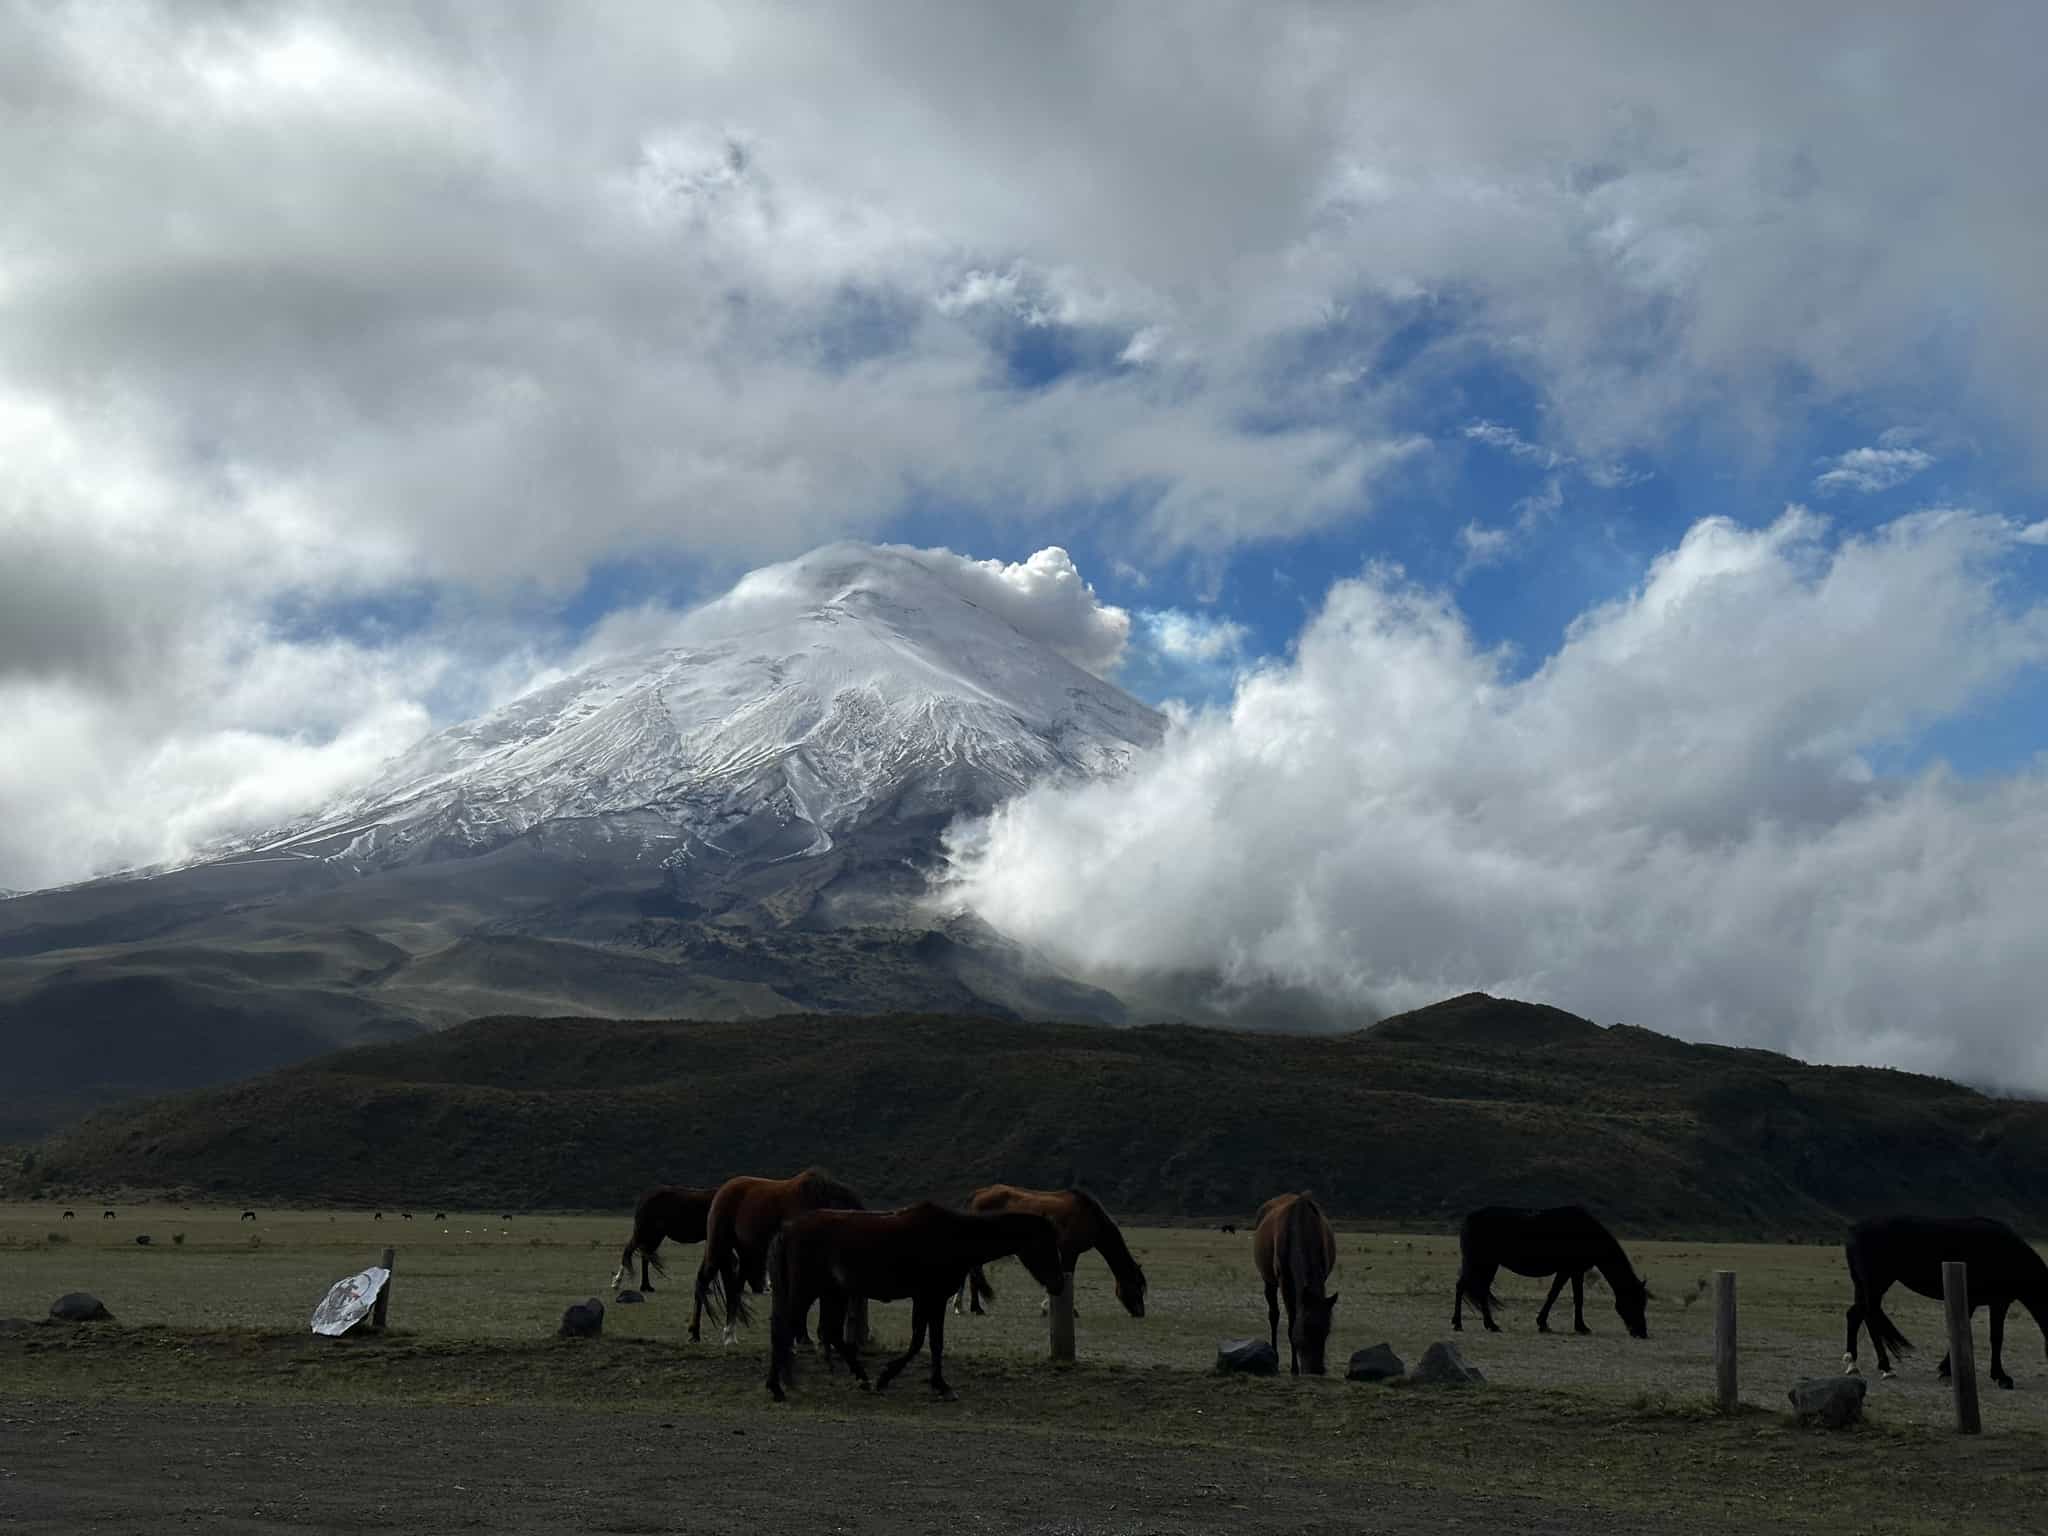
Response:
column 1273, row 1314
column 939, row 1386
column 832, row 1328
column 1458, row 1303
column 1543, row 1317
column 646, row 1274
column 733, row 1302
column 1855, row 1321
column 1579, row 1303
column 1290, row 1300
column 1482, row 1294
column 917, row 1327
column 1873, row 1306
column 1998, row 1343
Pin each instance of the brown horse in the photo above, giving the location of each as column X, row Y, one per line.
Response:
column 1296, row 1251
column 1082, row 1224
column 674, row 1211
column 745, row 1215
column 924, row 1252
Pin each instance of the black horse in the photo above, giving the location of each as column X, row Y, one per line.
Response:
column 2003, row 1268
column 667, row 1212
column 1566, row 1242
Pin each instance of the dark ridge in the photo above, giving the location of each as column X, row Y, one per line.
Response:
column 1397, row 1125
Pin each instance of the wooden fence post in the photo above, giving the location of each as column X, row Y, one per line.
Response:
column 1726, row 1386
column 1962, row 1358
column 383, row 1301
column 1061, row 1311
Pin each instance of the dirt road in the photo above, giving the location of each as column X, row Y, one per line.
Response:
column 71, row 1467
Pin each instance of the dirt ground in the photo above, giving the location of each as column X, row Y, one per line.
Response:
column 133, row 1467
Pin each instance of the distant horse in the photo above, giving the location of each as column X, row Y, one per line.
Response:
column 408, row 1215
column 440, row 1215
column 2003, row 1268
column 1227, row 1227
column 674, row 1211
column 106, row 1215
column 1295, row 1251
column 924, row 1252
column 248, row 1215
column 1566, row 1242
column 745, row 1215
column 378, row 1217
column 71, row 1215
column 1082, row 1224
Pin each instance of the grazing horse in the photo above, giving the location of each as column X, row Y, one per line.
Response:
column 1082, row 1224
column 1295, row 1251
column 745, row 1215
column 2003, row 1268
column 924, row 1251
column 71, row 1215
column 248, row 1215
column 1566, row 1242
column 667, row 1211
column 106, row 1215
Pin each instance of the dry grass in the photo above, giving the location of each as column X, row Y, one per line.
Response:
column 1605, row 1420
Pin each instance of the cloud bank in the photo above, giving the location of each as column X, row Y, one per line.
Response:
column 1677, row 820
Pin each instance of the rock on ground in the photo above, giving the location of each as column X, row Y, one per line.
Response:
column 1252, row 1356
column 80, row 1307
column 582, row 1320
column 1835, row 1401
column 1441, row 1365
column 1377, row 1363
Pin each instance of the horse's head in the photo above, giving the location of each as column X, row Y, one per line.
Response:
column 1310, row 1333
column 1132, row 1295
column 1631, row 1301
column 1040, row 1255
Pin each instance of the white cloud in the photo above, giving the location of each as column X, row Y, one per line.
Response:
column 1198, row 639
column 1489, row 546
column 1043, row 597
column 1872, row 469
column 2034, row 533
column 1511, row 442
column 1672, row 822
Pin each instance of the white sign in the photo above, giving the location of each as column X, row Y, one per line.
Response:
column 349, row 1302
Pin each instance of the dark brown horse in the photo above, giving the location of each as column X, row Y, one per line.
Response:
column 668, row 1211
column 1296, row 1252
column 2001, row 1268
column 1082, row 1224
column 745, row 1215
column 1565, row 1241
column 924, row 1252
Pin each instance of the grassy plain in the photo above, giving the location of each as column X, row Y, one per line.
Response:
column 1603, row 1423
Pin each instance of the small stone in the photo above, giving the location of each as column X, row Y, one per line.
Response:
column 1254, row 1357
column 628, row 1298
column 80, row 1307
column 142, row 1240
column 1442, row 1366
column 1833, row 1401
column 1378, row 1363
column 582, row 1320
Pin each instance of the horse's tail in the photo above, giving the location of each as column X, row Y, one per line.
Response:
column 1886, row 1332
column 736, row 1311
column 781, row 1332
column 978, row 1284
column 708, row 1300
column 1478, row 1295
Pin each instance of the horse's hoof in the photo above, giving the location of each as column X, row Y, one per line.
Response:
column 1887, row 1375
column 945, row 1394
column 1493, row 1327
column 2004, row 1383
column 1582, row 1332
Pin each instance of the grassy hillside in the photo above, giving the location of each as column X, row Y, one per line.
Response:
column 1416, row 1120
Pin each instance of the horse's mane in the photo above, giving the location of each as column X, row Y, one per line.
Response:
column 837, row 1195
column 1109, row 1239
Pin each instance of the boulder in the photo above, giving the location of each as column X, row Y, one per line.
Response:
column 80, row 1307
column 583, row 1320
column 1442, row 1366
column 1834, row 1401
column 628, row 1298
column 1379, row 1363
column 1254, row 1357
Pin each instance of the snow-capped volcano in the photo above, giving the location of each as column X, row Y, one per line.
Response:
column 853, row 685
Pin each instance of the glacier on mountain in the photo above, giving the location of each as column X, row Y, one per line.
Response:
column 856, row 685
